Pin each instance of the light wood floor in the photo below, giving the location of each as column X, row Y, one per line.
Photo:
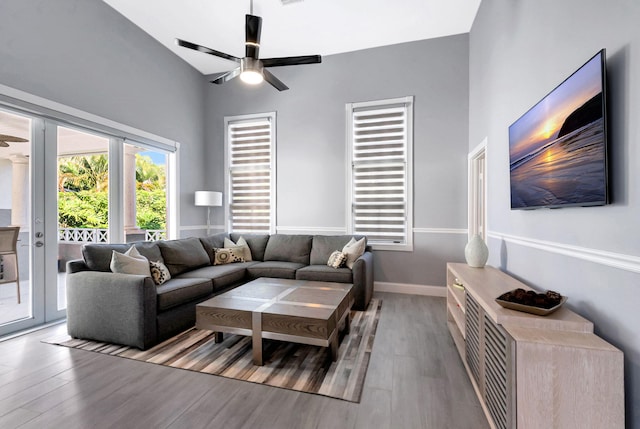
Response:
column 415, row 380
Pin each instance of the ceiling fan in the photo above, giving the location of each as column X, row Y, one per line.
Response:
column 6, row 139
column 252, row 70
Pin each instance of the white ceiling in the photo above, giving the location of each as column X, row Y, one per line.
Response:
column 299, row 27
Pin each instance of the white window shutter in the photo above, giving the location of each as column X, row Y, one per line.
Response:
column 380, row 159
column 250, row 148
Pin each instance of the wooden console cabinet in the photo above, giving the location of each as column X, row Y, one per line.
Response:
column 532, row 371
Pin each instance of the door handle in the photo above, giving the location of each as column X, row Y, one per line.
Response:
column 39, row 243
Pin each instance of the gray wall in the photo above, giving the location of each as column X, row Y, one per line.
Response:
column 519, row 51
column 311, row 147
column 85, row 55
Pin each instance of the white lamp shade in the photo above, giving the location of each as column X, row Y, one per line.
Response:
column 208, row 198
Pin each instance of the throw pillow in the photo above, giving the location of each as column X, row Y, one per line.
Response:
column 227, row 255
column 242, row 244
column 159, row 272
column 354, row 249
column 133, row 252
column 126, row 264
column 337, row 259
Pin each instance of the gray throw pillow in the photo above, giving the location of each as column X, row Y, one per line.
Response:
column 183, row 255
column 289, row 248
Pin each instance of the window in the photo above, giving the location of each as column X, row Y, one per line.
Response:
column 250, row 178
column 380, row 142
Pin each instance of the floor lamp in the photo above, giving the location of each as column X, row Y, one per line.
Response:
column 208, row 199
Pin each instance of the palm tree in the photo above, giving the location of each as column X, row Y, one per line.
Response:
column 83, row 173
column 149, row 176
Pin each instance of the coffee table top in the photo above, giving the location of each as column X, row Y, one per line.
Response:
column 301, row 298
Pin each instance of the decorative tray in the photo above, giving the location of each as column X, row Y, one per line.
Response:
column 540, row 311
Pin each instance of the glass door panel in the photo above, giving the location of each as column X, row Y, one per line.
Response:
column 19, row 301
column 145, row 194
column 83, row 197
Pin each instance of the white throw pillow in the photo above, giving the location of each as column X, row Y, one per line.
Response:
column 242, row 243
column 133, row 252
column 354, row 249
column 125, row 263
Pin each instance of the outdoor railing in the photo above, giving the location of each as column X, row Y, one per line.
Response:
column 83, row 235
column 101, row 235
column 155, row 234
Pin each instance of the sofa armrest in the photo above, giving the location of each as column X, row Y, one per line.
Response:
column 76, row 265
column 112, row 307
column 363, row 281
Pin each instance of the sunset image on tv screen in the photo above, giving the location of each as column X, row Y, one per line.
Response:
column 557, row 150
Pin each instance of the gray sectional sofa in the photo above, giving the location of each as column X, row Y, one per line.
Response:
column 131, row 310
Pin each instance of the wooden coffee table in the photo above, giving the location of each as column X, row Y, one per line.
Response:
column 299, row 311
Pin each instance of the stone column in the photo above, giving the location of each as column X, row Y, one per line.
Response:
column 131, row 230
column 20, row 191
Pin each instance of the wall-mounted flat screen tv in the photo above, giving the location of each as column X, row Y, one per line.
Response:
column 558, row 149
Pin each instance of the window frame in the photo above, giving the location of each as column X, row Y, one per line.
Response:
column 271, row 117
column 350, row 108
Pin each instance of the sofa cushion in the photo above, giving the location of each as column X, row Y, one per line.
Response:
column 97, row 256
column 257, row 244
column 289, row 248
column 324, row 273
column 183, row 255
column 222, row 275
column 277, row 269
column 323, row 245
column 213, row 241
column 179, row 291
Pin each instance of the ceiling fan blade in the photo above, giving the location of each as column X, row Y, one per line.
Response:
column 226, row 77
column 291, row 61
column 274, row 81
column 7, row 138
column 252, row 30
column 206, row 50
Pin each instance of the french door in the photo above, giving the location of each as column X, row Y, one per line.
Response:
column 29, row 291
column 63, row 185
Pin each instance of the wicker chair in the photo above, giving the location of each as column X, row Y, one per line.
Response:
column 8, row 247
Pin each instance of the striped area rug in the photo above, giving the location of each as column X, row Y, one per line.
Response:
column 286, row 365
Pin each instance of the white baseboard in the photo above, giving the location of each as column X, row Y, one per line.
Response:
column 411, row 289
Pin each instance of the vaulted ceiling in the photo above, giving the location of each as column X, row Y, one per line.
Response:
column 294, row 27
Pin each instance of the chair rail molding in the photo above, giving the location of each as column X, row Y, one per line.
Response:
column 603, row 257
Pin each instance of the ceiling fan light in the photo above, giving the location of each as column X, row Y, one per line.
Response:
column 251, row 77
column 251, row 71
